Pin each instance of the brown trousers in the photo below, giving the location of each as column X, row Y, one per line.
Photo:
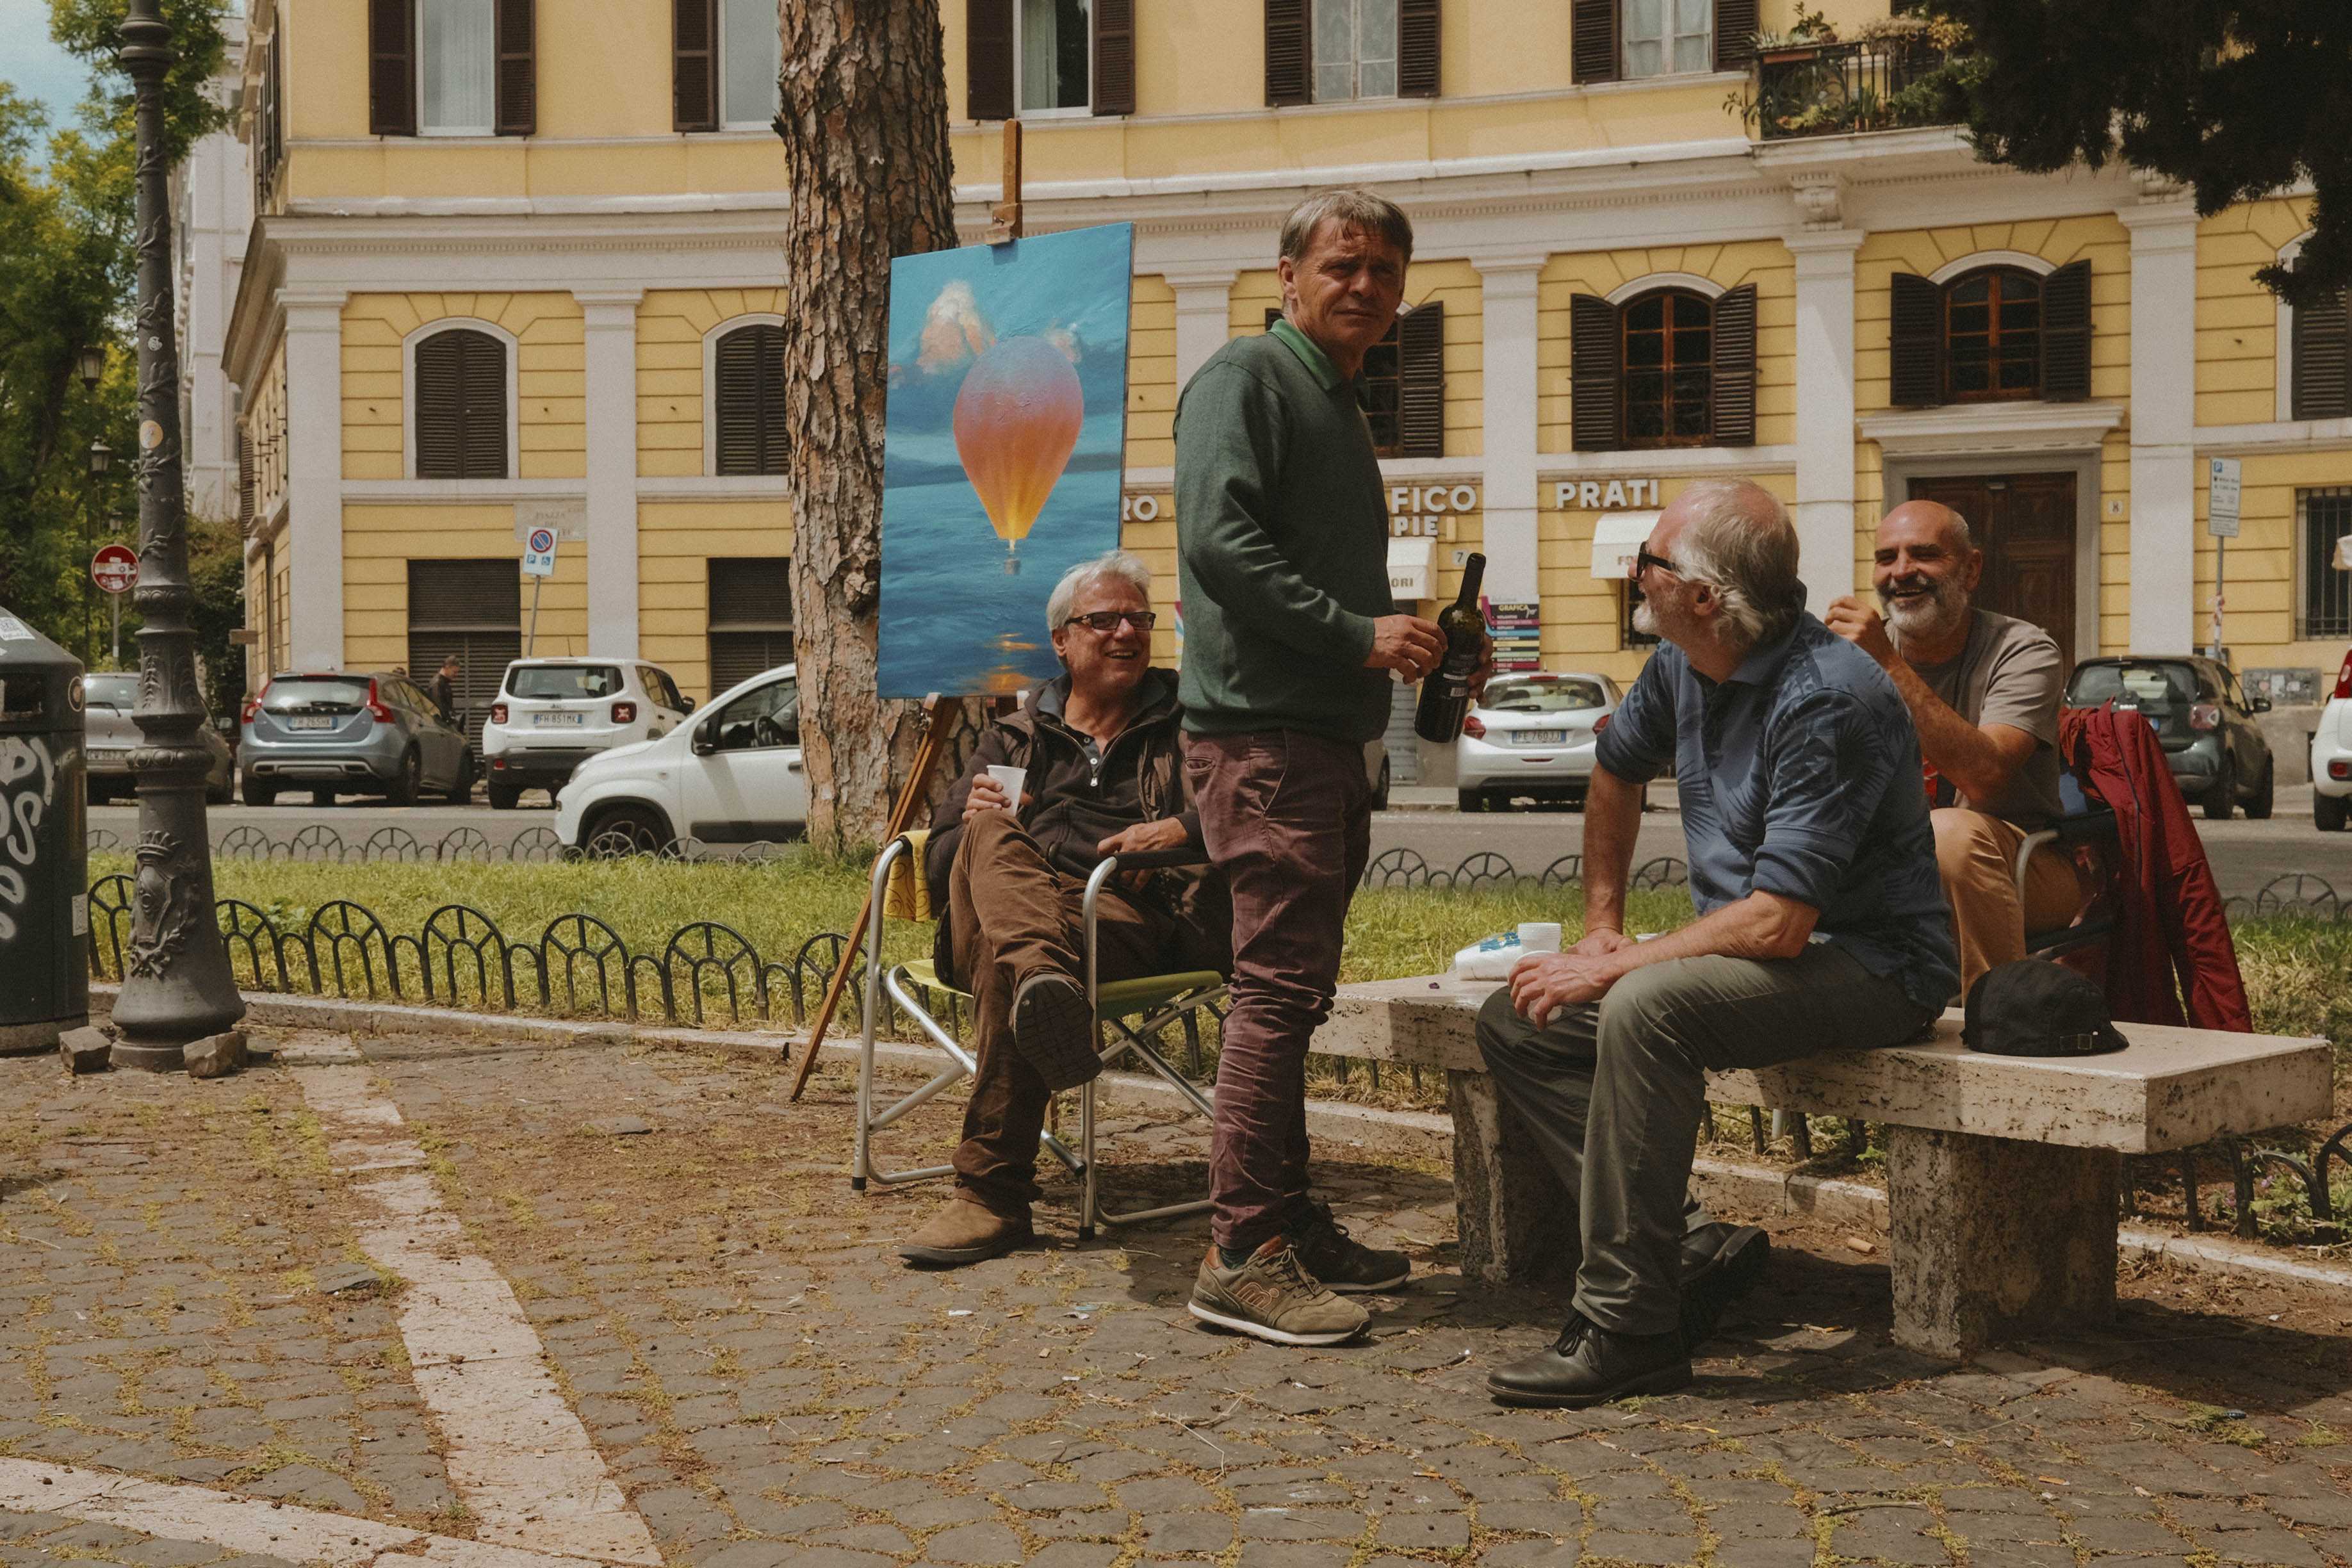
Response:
column 1010, row 915
column 1976, row 854
column 1287, row 818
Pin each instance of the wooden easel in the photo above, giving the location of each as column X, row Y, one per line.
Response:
column 1005, row 227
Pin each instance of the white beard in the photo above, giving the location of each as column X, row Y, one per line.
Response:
column 1646, row 618
column 1914, row 620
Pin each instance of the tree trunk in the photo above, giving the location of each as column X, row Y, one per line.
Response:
column 865, row 130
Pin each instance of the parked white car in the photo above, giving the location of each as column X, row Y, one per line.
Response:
column 1531, row 736
column 2331, row 757
column 731, row 774
column 553, row 714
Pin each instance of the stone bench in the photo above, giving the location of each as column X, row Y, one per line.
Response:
column 2002, row 1173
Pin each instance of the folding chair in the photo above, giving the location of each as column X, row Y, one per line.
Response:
column 1134, row 1010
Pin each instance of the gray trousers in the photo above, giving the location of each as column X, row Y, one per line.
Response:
column 1612, row 1093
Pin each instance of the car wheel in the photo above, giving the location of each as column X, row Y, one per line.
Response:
column 462, row 790
column 1470, row 800
column 2222, row 800
column 220, row 794
column 640, row 827
column 99, row 794
column 402, row 791
column 2265, row 798
column 2328, row 812
column 260, row 794
column 1380, row 789
column 322, row 797
column 503, row 797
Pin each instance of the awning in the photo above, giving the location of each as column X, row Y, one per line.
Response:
column 1616, row 535
column 1412, row 568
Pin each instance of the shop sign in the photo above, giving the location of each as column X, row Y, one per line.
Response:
column 1140, row 509
column 1419, row 512
column 1605, row 495
column 1518, row 627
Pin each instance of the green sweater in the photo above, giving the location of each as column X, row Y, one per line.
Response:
column 1281, row 544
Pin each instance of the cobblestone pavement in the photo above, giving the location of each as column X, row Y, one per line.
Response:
column 768, row 1386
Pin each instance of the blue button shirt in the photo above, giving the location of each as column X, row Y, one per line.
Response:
column 1800, row 775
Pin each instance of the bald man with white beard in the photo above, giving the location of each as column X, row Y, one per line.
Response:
column 1983, row 691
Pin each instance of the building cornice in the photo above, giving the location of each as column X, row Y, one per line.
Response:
column 1976, row 428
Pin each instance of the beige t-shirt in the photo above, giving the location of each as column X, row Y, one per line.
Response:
column 2009, row 673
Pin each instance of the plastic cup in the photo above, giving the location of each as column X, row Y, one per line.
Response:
column 1538, row 936
column 1010, row 780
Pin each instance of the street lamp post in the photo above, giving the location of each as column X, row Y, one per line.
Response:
column 176, row 983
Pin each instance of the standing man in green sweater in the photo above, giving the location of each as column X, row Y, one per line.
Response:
column 1281, row 551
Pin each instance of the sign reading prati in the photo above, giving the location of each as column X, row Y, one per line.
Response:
column 539, row 554
column 115, row 568
column 1605, row 495
column 2221, row 501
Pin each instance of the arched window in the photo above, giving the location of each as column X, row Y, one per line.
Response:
column 461, row 405
column 1669, row 349
column 749, row 383
column 1992, row 335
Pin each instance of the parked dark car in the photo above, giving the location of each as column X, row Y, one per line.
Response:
column 356, row 732
column 2202, row 717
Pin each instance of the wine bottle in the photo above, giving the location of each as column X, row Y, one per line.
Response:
column 1445, row 695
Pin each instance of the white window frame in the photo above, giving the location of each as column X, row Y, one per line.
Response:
column 1666, row 45
column 2304, row 567
column 438, row 325
column 1075, row 112
column 1650, row 283
column 718, row 78
column 2040, row 266
column 710, row 391
column 1356, row 59
column 2284, row 371
column 417, row 44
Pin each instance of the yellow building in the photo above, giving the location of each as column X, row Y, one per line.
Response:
column 507, row 269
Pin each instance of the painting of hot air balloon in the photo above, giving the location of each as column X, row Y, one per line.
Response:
column 1002, row 446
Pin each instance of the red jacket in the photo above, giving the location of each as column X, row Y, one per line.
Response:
column 2171, row 920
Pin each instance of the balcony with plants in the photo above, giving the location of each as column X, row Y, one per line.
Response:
column 1894, row 73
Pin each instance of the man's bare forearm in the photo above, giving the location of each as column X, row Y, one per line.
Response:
column 1612, row 820
column 1957, row 748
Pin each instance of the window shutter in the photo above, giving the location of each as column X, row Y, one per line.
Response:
column 1734, row 415
column 750, row 377
column 1592, row 41
column 486, row 406
column 461, row 406
column 1113, row 57
column 1289, row 65
column 2321, row 390
column 693, row 64
column 1421, row 354
column 1593, row 371
column 1418, row 39
column 1915, row 342
column 1735, row 25
column 988, row 59
column 245, row 481
column 392, row 68
column 2066, row 333
column 518, row 69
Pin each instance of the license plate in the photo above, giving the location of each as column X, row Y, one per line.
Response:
column 1540, row 737
column 303, row 722
column 556, row 721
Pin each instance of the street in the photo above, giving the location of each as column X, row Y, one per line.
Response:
column 2247, row 856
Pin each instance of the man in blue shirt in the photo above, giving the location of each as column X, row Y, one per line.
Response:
column 1822, row 923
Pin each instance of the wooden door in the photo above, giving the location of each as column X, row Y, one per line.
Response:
column 2025, row 523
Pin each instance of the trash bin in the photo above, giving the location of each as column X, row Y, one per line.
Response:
column 43, row 896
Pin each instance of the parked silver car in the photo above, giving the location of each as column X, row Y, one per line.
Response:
column 109, row 737
column 359, row 733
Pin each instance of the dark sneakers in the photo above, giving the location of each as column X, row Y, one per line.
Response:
column 1721, row 1263
column 1054, row 1031
column 1341, row 1262
column 1590, row 1365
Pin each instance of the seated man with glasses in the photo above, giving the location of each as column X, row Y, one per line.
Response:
column 1103, row 749
column 1822, row 923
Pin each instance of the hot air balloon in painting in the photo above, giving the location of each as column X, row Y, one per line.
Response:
column 1003, row 440
column 1016, row 423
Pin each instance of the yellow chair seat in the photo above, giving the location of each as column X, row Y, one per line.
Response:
column 1120, row 998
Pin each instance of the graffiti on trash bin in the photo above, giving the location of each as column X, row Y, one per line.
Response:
column 29, row 781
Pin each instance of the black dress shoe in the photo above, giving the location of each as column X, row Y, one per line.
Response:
column 1721, row 1263
column 1590, row 1365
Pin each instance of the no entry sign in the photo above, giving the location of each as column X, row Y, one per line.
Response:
column 115, row 569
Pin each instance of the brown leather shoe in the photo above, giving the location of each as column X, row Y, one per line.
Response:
column 965, row 1232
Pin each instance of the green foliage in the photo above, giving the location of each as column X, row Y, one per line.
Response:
column 92, row 29
column 2238, row 98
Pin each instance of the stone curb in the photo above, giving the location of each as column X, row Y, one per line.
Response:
column 1422, row 1136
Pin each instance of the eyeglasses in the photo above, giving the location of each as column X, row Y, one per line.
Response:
column 1644, row 561
column 1107, row 621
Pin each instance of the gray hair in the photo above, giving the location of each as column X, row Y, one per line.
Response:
column 1353, row 208
column 1124, row 565
column 1740, row 540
